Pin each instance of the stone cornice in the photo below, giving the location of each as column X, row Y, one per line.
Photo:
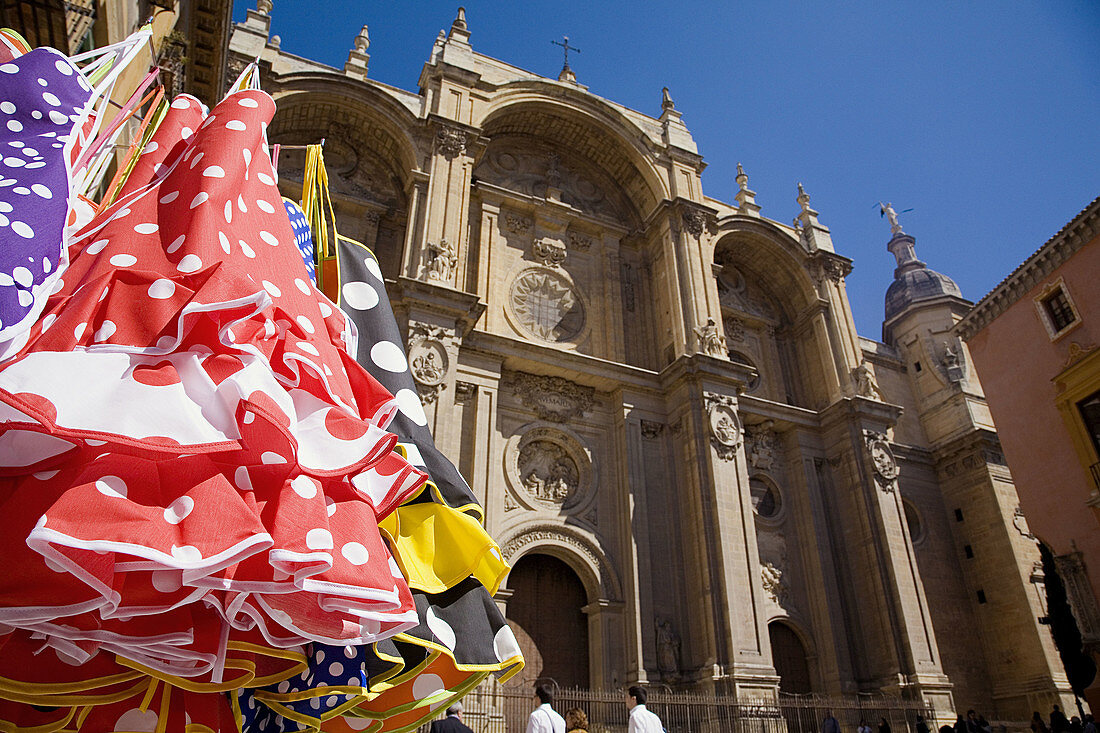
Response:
column 1073, row 236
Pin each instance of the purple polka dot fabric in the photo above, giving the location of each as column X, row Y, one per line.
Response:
column 42, row 97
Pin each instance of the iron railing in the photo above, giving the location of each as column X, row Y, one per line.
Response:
column 495, row 708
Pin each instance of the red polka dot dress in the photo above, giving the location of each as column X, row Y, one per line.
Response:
column 195, row 468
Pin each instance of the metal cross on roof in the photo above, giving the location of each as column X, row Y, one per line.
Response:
column 564, row 43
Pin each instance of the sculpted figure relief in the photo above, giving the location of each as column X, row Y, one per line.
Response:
column 548, row 471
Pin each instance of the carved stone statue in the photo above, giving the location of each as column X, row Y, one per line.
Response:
column 709, row 338
column 950, row 358
column 889, row 213
column 442, row 260
column 668, row 650
column 866, row 386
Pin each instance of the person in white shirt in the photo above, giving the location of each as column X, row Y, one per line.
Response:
column 544, row 719
column 641, row 720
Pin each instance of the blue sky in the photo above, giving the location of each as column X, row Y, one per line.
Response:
column 981, row 116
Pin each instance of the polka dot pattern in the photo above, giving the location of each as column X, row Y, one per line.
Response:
column 34, row 185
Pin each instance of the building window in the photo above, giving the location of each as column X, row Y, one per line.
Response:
column 766, row 499
column 981, row 596
column 958, row 515
column 968, row 550
column 1056, row 309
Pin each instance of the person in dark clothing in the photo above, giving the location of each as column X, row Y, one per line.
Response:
column 920, row 726
column 883, row 726
column 1075, row 725
column 1058, row 721
column 452, row 723
column 960, row 725
column 1037, row 724
column 829, row 724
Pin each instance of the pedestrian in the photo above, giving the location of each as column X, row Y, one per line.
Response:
column 960, row 725
column 641, row 720
column 883, row 726
column 452, row 723
column 864, row 727
column 1037, row 724
column 829, row 724
column 1090, row 724
column 576, row 721
column 1058, row 721
column 1075, row 725
column 984, row 724
column 920, row 726
column 972, row 722
column 544, row 719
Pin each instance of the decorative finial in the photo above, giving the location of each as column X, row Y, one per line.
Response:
column 264, row 6
column 803, row 197
column 362, row 41
column 666, row 99
column 460, row 19
column 276, row 40
column 887, row 210
column 742, row 178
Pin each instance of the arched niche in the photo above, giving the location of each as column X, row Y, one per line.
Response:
column 768, row 303
column 369, row 155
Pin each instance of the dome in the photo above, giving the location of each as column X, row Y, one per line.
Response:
column 913, row 281
column 916, row 284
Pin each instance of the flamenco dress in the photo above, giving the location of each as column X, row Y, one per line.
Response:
column 209, row 527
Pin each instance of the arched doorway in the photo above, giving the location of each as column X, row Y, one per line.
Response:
column 545, row 613
column 789, row 657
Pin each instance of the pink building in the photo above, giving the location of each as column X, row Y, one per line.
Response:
column 1034, row 343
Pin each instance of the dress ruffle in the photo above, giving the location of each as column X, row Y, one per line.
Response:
column 202, row 491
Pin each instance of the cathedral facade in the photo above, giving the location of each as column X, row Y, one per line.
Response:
column 700, row 473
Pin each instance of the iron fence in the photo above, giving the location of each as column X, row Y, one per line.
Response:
column 495, row 708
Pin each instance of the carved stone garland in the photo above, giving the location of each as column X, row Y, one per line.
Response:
column 882, row 460
column 552, row 398
column 725, row 425
column 451, row 141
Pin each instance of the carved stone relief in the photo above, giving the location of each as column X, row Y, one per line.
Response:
column 579, row 242
column 517, row 224
column 882, row 459
column 735, row 293
column 827, row 265
column 576, row 542
column 552, row 398
column 735, row 328
column 545, row 305
column 761, row 443
column 651, row 430
column 695, row 221
column 428, row 359
column 547, row 471
column 464, row 392
column 532, row 173
column 548, row 252
column 775, row 583
column 725, row 425
column 450, row 141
